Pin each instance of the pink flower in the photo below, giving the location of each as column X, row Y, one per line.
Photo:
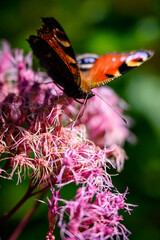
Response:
column 37, row 142
column 53, row 209
column 59, row 153
column 117, row 156
column 103, row 122
column 5, row 56
column 93, row 214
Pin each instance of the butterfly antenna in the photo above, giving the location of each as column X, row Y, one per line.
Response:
column 124, row 120
column 81, row 111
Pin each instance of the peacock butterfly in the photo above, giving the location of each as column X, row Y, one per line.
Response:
column 79, row 75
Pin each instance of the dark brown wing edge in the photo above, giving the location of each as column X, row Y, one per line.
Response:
column 50, row 59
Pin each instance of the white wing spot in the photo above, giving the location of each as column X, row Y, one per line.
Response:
column 123, row 59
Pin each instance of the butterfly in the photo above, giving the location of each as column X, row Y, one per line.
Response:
column 78, row 75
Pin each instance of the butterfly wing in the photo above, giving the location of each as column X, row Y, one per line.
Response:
column 103, row 69
column 52, row 47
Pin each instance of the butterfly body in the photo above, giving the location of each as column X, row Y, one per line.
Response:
column 77, row 76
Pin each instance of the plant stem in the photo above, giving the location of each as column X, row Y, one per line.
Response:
column 28, row 194
column 24, row 221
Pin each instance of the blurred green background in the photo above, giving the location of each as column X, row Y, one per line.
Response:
column 103, row 26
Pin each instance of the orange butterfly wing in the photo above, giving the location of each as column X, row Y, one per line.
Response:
column 113, row 65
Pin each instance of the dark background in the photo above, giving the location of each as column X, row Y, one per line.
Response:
column 103, row 26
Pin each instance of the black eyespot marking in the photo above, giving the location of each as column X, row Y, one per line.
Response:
column 140, row 60
column 124, row 68
column 87, row 60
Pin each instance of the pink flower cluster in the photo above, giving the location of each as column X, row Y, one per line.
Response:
column 103, row 118
column 93, row 214
column 36, row 141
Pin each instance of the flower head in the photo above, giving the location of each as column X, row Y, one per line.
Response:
column 37, row 142
column 102, row 118
column 93, row 214
column 44, row 147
